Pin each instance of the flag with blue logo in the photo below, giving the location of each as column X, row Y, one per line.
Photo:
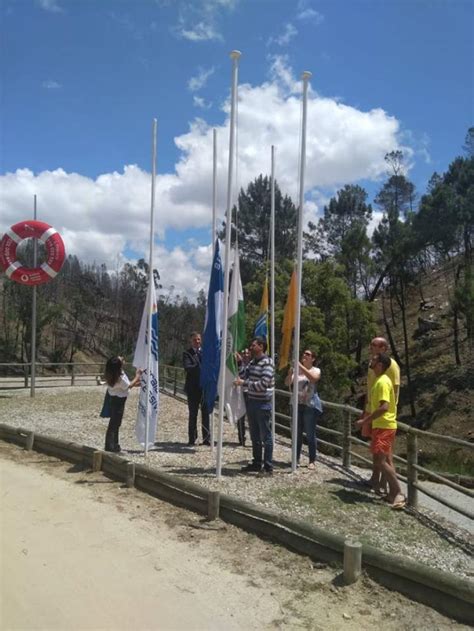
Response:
column 145, row 427
column 261, row 327
column 212, row 336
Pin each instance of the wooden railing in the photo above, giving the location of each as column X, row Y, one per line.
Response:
column 172, row 382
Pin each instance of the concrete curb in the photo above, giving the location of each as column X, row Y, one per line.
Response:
column 448, row 594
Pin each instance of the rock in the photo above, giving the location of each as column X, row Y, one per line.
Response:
column 346, row 616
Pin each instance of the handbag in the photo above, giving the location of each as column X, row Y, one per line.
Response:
column 315, row 402
column 106, row 411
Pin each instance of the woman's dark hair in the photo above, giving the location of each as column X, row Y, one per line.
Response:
column 113, row 370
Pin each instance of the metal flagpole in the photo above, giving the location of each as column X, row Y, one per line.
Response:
column 214, row 190
column 299, row 272
column 149, row 306
column 213, row 239
column 235, row 54
column 33, row 314
column 272, row 282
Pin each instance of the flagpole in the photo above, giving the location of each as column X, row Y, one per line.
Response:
column 294, row 425
column 272, row 282
column 214, row 190
column 235, row 54
column 33, row 314
column 149, row 306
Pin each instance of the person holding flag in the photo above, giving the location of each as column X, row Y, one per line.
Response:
column 259, row 382
column 118, row 386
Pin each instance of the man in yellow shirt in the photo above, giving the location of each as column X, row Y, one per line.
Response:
column 379, row 345
column 383, row 417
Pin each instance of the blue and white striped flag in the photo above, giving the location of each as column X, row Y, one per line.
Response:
column 146, row 427
column 212, row 337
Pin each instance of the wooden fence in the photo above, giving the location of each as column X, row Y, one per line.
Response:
column 343, row 441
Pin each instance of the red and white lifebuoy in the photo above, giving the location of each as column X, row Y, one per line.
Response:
column 55, row 252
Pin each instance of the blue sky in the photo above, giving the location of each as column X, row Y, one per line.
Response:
column 83, row 79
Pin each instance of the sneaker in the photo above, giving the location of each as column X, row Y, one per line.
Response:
column 251, row 468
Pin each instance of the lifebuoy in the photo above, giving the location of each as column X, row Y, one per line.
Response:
column 55, row 252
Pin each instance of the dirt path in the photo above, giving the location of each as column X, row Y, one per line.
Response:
column 82, row 552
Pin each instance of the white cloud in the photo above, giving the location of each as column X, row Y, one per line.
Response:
column 198, row 20
column 308, row 14
column 50, row 5
column 202, row 103
column 199, row 81
column 49, row 84
column 106, row 217
column 285, row 38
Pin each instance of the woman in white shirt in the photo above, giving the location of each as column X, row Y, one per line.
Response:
column 118, row 385
column 309, row 403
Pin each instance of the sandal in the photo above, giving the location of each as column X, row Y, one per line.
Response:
column 399, row 502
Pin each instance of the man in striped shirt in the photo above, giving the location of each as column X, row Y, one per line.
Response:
column 258, row 380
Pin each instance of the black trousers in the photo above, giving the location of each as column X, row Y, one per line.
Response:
column 117, row 407
column 195, row 401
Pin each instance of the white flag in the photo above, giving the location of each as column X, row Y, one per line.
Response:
column 234, row 398
column 146, row 427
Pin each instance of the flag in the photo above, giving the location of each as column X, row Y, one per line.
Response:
column 234, row 397
column 288, row 325
column 261, row 328
column 212, row 337
column 143, row 350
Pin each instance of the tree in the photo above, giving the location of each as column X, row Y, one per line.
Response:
column 342, row 235
column 394, row 247
column 445, row 222
column 252, row 226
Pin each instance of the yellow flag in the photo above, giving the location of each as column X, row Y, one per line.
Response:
column 288, row 323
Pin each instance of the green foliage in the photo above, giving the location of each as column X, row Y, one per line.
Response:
column 253, row 226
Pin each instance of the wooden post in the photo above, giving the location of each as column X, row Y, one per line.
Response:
column 130, row 475
column 175, row 381
column 26, row 375
column 30, row 437
column 73, row 376
column 346, row 441
column 412, row 473
column 213, row 502
column 352, row 561
column 97, row 461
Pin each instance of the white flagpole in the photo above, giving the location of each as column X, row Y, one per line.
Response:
column 149, row 306
column 235, row 54
column 214, row 190
column 272, row 282
column 33, row 314
column 212, row 413
column 299, row 272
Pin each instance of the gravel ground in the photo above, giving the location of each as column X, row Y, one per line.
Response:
column 328, row 497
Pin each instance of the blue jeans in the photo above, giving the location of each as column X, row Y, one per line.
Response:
column 259, row 415
column 307, row 419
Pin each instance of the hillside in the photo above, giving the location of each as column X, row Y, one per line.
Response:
column 443, row 391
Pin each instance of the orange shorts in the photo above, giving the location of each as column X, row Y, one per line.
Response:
column 382, row 441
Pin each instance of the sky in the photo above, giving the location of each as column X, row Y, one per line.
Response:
column 82, row 81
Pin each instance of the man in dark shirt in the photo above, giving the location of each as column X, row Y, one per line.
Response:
column 192, row 365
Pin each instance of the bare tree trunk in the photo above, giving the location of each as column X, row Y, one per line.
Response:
column 407, row 354
column 456, row 319
column 388, row 330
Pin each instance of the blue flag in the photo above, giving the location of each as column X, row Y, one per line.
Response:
column 212, row 337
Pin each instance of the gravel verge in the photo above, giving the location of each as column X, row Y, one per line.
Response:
column 328, row 497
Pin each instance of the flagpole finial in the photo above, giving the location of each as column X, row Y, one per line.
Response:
column 235, row 54
column 306, row 75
